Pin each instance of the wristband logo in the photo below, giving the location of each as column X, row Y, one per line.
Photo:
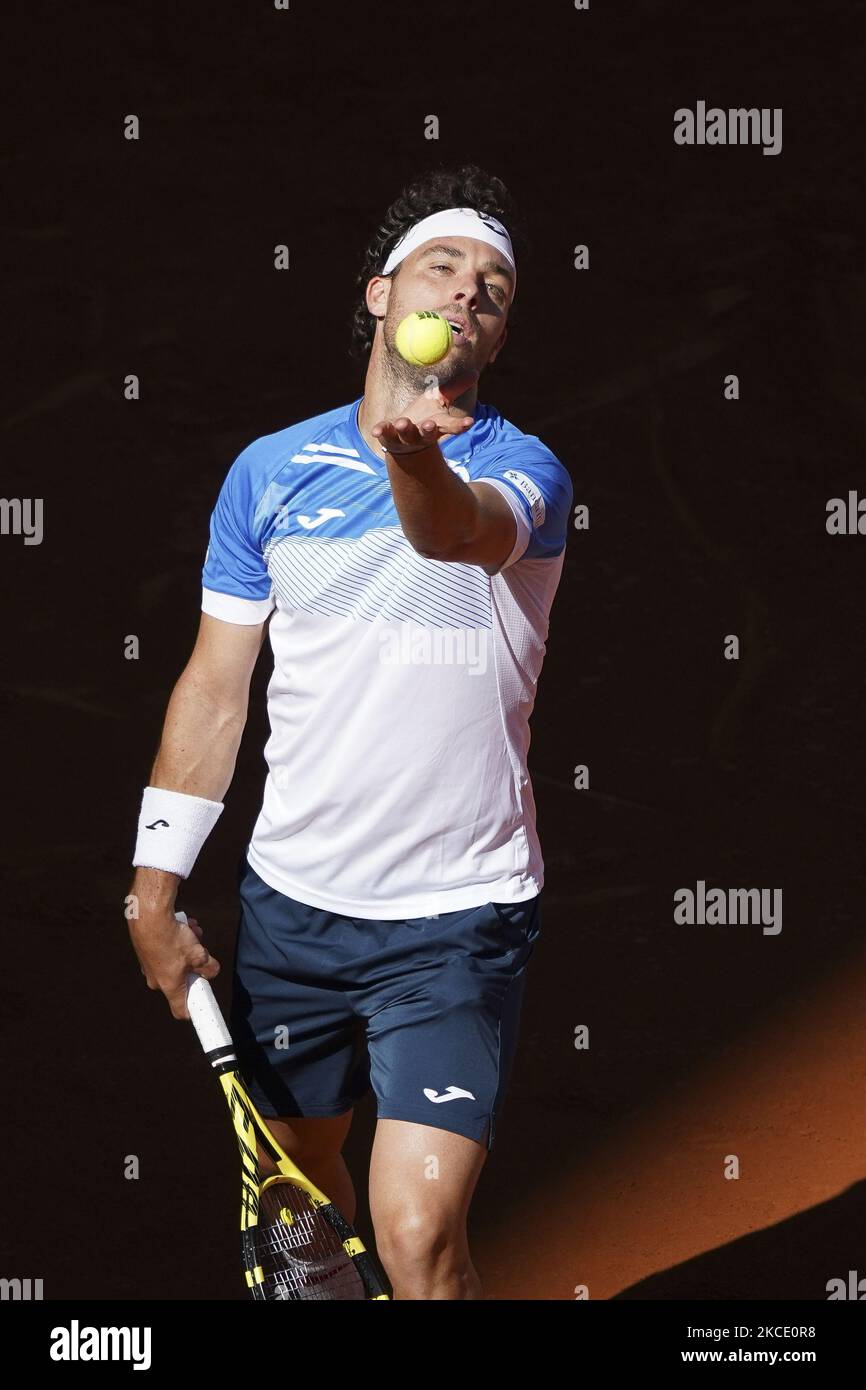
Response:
column 156, row 823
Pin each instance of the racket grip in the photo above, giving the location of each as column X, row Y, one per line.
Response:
column 204, row 1011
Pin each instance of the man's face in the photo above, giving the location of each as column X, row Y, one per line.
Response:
column 464, row 280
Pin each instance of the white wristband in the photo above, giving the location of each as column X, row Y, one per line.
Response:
column 172, row 827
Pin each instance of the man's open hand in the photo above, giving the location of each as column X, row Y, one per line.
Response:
column 427, row 419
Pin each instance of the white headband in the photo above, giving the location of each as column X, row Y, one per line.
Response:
column 454, row 222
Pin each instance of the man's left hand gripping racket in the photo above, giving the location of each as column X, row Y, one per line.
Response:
column 295, row 1243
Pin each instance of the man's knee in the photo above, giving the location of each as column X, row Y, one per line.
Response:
column 414, row 1238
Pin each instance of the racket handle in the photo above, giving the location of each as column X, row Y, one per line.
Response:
column 204, row 1011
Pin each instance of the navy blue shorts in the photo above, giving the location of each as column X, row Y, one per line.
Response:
column 424, row 1009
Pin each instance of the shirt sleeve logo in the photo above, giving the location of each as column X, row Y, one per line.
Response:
column 530, row 492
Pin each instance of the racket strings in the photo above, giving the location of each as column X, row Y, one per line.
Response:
column 298, row 1251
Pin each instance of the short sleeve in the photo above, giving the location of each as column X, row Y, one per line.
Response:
column 236, row 585
column 540, row 492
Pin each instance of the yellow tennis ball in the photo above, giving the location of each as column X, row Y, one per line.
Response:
column 424, row 338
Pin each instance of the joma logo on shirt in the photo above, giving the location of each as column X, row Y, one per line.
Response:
column 309, row 523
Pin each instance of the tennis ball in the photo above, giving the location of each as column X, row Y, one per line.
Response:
column 424, row 338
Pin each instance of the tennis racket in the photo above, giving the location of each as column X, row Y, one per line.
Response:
column 295, row 1244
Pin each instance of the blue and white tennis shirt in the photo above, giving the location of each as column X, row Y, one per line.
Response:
column 402, row 686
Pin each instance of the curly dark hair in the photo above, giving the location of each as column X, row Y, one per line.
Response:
column 466, row 187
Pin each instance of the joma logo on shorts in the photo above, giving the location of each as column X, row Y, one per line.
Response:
column 450, row 1093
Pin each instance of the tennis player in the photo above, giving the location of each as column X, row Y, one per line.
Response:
column 403, row 551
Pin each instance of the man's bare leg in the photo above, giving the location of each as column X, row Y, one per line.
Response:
column 421, row 1183
column 314, row 1144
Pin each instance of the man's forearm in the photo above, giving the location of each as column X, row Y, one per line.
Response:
column 436, row 508
column 155, row 888
column 197, row 756
column 200, row 742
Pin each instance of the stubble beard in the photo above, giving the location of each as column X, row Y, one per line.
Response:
column 405, row 380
